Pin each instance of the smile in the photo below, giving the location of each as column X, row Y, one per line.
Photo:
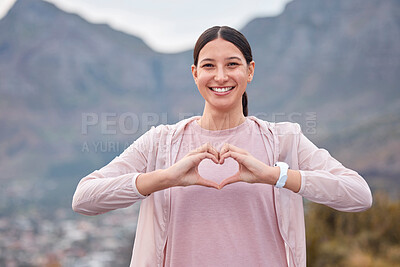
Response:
column 221, row 89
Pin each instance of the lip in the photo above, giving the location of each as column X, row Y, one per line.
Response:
column 222, row 93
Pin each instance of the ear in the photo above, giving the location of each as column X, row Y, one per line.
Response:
column 251, row 67
column 194, row 73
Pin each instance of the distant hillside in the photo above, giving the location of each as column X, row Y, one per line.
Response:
column 334, row 57
column 340, row 59
column 332, row 66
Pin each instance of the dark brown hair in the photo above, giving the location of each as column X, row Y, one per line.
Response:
column 231, row 35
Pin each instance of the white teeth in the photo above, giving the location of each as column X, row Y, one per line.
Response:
column 221, row 90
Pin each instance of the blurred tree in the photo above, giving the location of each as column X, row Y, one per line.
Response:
column 370, row 238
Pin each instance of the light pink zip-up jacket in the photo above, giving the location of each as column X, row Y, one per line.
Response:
column 323, row 180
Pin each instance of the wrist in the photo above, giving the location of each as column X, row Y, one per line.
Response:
column 275, row 175
column 283, row 174
column 271, row 175
column 168, row 178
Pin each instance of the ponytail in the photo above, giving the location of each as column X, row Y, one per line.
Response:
column 244, row 104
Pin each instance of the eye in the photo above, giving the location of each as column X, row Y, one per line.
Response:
column 207, row 65
column 233, row 64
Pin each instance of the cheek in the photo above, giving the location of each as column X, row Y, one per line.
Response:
column 203, row 78
column 241, row 77
column 239, row 73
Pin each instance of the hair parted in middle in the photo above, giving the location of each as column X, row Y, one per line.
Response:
column 231, row 35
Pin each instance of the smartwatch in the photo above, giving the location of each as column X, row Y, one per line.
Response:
column 283, row 174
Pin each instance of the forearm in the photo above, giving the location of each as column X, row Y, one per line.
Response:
column 293, row 181
column 96, row 195
column 341, row 189
column 147, row 183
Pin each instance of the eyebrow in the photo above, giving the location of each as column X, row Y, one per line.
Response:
column 229, row 58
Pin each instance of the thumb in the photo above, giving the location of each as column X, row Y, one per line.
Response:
column 230, row 180
column 204, row 182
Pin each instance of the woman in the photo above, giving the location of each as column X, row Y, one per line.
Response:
column 222, row 189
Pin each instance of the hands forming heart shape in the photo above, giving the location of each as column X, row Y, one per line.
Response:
column 248, row 169
column 208, row 170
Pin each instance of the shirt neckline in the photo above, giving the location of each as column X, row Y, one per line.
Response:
column 198, row 129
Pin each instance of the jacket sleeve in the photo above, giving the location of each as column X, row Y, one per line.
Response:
column 326, row 181
column 114, row 185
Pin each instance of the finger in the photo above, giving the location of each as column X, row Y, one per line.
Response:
column 230, row 154
column 212, row 150
column 230, row 180
column 237, row 149
column 203, row 148
column 224, row 156
column 207, row 147
column 224, row 153
column 239, row 157
column 199, row 149
column 205, row 155
column 224, row 149
column 230, row 148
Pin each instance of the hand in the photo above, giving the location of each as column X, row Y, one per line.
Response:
column 185, row 171
column 251, row 170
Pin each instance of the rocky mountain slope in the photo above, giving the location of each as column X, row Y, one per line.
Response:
column 332, row 66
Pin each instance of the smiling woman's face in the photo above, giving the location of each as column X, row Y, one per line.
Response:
column 222, row 74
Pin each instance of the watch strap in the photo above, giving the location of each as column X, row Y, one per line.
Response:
column 283, row 174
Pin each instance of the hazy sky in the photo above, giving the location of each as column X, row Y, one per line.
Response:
column 173, row 25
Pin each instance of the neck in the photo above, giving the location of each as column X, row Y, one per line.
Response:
column 216, row 120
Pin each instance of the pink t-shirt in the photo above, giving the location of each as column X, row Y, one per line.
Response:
column 234, row 226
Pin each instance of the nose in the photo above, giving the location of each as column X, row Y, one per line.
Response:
column 220, row 75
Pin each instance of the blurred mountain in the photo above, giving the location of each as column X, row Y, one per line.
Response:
column 332, row 66
column 340, row 59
